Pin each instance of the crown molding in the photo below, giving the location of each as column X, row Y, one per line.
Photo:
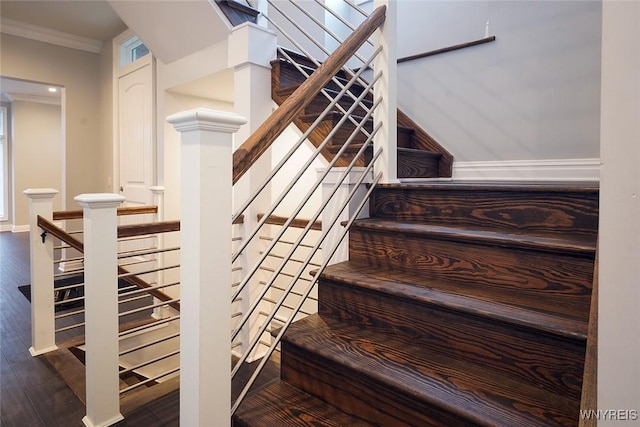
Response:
column 46, row 35
column 32, row 98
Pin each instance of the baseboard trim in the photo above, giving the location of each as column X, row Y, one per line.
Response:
column 5, row 227
column 529, row 170
column 20, row 228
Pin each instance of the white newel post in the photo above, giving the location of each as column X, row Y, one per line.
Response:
column 43, row 337
column 386, row 88
column 251, row 50
column 205, row 292
column 101, row 307
column 332, row 210
column 158, row 200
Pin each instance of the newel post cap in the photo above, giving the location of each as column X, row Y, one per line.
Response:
column 99, row 200
column 40, row 193
column 205, row 119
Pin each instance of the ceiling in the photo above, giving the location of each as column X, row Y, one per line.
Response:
column 93, row 19
column 90, row 19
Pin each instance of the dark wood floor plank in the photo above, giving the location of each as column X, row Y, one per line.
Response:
column 56, row 404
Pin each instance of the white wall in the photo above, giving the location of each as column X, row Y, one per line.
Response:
column 619, row 280
column 534, row 93
column 78, row 72
column 302, row 186
column 37, row 153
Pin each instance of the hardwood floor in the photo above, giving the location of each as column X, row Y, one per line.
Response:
column 32, row 393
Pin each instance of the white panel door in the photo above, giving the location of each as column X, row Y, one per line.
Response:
column 135, row 123
column 136, row 153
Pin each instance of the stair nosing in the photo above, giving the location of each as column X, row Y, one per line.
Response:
column 485, row 237
column 461, row 303
column 579, row 187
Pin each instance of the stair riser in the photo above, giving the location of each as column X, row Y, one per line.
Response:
column 555, row 282
column 575, row 213
column 544, row 361
column 358, row 395
column 413, row 166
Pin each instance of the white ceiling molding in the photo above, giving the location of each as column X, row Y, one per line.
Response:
column 32, row 98
column 46, row 35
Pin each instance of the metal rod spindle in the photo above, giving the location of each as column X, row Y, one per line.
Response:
column 148, row 380
column 122, row 334
column 277, row 339
column 150, row 362
column 148, row 307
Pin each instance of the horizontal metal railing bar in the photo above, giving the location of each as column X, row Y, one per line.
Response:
column 236, row 314
column 148, row 307
column 124, row 301
column 282, row 273
column 154, row 250
column 147, row 326
column 234, row 284
column 125, row 264
column 150, row 288
column 57, row 248
column 292, row 291
column 64, row 288
column 148, row 380
column 61, row 260
column 153, row 270
column 75, row 232
column 291, row 259
column 68, row 314
column 149, row 362
column 67, row 301
column 149, row 344
column 236, row 269
column 284, row 305
column 286, row 242
column 131, row 239
column 68, row 328
column 236, row 344
column 236, row 239
column 73, row 272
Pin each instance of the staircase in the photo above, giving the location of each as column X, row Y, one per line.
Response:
column 419, row 155
column 462, row 304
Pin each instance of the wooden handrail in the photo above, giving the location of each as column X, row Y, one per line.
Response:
column 268, row 131
column 129, row 210
column 297, row 223
column 446, row 49
column 132, row 230
column 55, row 231
column 52, row 229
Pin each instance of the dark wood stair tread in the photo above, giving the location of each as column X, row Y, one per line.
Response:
column 572, row 244
column 282, row 405
column 415, row 374
column 493, row 303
